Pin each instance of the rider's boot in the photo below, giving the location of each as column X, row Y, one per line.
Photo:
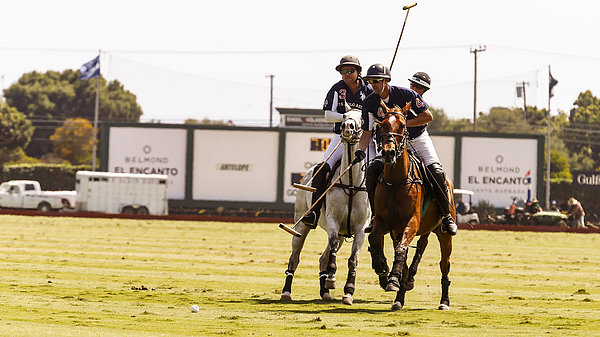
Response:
column 320, row 183
column 443, row 197
column 373, row 173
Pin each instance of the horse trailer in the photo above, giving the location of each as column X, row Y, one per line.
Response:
column 121, row 193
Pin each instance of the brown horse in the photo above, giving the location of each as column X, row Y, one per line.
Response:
column 404, row 209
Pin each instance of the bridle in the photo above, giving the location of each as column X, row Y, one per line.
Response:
column 356, row 132
column 392, row 137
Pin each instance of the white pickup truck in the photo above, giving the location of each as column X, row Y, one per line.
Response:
column 27, row 194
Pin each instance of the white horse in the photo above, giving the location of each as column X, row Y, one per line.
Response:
column 345, row 212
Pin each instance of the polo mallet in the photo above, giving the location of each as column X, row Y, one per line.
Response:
column 407, row 9
column 309, row 188
column 291, row 230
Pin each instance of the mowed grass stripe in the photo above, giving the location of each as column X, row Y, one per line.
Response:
column 69, row 276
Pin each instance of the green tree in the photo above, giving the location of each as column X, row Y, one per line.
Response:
column 74, row 141
column 503, row 120
column 206, row 121
column 559, row 166
column 585, row 121
column 441, row 122
column 15, row 134
column 50, row 98
column 15, row 129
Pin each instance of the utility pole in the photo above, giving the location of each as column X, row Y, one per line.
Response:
column 521, row 86
column 475, row 51
column 271, row 103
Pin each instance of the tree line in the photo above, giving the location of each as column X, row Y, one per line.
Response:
column 46, row 118
column 574, row 135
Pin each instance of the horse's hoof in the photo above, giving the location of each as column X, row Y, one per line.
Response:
column 286, row 296
column 443, row 307
column 410, row 285
column 347, row 299
column 393, row 284
column 327, row 297
column 331, row 283
column 396, row 306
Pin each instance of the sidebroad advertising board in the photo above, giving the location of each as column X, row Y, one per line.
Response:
column 150, row 151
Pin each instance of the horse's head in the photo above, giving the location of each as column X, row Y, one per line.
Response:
column 351, row 126
column 392, row 136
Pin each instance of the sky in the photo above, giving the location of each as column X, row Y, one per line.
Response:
column 215, row 59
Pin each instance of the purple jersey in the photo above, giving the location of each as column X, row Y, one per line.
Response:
column 344, row 94
column 399, row 97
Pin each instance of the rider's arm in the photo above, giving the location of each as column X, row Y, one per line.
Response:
column 332, row 115
column 422, row 118
column 365, row 139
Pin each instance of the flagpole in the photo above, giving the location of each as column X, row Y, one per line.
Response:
column 548, row 146
column 96, row 118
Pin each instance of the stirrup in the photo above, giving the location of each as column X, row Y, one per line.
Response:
column 448, row 225
column 310, row 220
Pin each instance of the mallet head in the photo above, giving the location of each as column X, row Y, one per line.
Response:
column 409, row 6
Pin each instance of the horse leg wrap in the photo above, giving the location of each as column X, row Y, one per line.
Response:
column 322, row 280
column 412, row 271
column 378, row 261
column 399, row 260
column 288, row 281
column 350, row 281
column 401, row 293
column 445, row 286
column 334, row 245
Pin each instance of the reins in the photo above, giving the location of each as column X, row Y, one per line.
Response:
column 411, row 177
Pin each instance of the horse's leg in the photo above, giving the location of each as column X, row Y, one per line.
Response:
column 446, row 251
column 323, row 262
column 400, row 295
column 412, row 271
column 334, row 246
column 400, row 253
column 350, row 286
column 297, row 244
column 378, row 260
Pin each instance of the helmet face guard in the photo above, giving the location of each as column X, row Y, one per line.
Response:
column 349, row 60
column 378, row 70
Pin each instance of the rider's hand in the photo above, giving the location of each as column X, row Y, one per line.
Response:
column 359, row 154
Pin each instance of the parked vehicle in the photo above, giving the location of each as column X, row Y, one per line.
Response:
column 28, row 194
column 465, row 213
column 516, row 213
column 121, row 193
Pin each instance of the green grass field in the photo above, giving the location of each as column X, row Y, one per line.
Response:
column 116, row 277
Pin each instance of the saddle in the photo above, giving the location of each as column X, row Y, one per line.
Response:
column 426, row 178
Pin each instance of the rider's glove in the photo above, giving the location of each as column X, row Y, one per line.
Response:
column 359, row 155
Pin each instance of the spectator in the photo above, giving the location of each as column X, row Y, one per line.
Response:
column 462, row 206
column 534, row 207
column 554, row 206
column 576, row 214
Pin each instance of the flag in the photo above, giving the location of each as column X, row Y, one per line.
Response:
column 90, row 69
column 552, row 83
